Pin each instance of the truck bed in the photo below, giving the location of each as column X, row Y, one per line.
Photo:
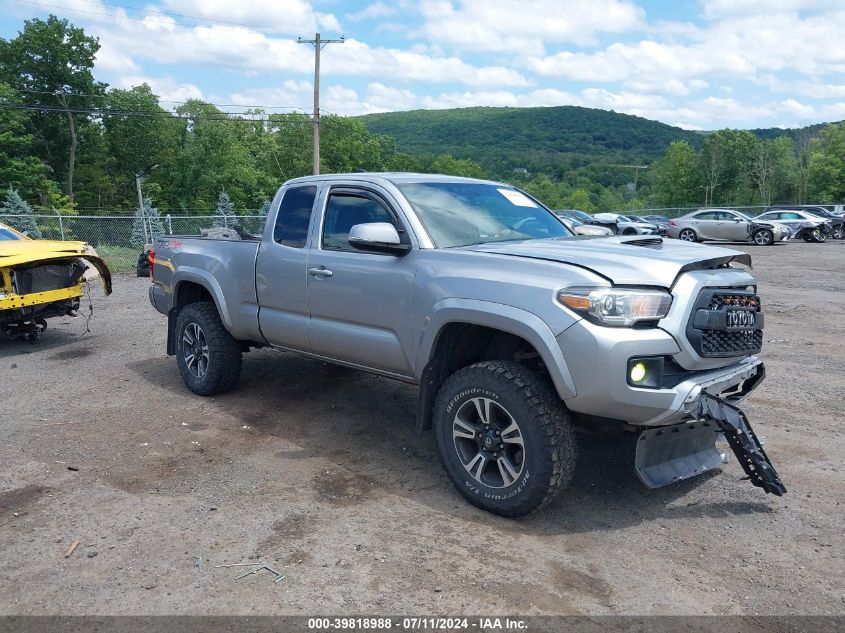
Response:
column 227, row 266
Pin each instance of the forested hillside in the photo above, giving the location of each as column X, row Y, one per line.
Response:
column 538, row 139
column 70, row 143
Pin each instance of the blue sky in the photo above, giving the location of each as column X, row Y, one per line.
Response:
column 702, row 64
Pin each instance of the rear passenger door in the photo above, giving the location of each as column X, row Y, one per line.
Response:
column 280, row 277
column 360, row 302
column 706, row 225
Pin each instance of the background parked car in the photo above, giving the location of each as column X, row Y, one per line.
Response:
column 586, row 218
column 660, row 221
column 627, row 225
column 727, row 225
column 832, row 211
column 820, row 211
column 801, row 225
column 579, row 228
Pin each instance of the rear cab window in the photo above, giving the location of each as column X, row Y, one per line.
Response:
column 294, row 216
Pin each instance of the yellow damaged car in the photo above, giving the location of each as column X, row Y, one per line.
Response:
column 40, row 279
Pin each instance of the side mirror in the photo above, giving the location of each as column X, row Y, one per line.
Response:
column 377, row 237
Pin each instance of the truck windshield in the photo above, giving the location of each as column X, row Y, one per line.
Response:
column 460, row 214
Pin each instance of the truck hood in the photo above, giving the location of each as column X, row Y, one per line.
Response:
column 19, row 252
column 625, row 261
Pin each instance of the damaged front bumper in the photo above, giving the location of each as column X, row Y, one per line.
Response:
column 666, row 455
column 45, row 285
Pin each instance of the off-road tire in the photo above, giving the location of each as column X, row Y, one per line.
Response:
column 225, row 355
column 549, row 446
column 763, row 237
column 688, row 232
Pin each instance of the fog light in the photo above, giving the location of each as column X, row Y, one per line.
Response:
column 646, row 373
column 638, row 372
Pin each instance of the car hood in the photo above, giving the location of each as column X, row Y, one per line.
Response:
column 630, row 261
column 18, row 252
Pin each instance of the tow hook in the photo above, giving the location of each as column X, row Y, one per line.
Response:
column 747, row 448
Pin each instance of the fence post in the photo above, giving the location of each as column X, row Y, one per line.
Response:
column 169, row 225
column 61, row 224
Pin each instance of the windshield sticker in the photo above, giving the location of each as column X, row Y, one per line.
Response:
column 517, row 198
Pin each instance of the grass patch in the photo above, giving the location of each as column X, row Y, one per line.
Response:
column 121, row 259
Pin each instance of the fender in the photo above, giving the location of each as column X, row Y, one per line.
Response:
column 207, row 281
column 501, row 317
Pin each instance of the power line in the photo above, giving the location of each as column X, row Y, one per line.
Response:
column 218, row 105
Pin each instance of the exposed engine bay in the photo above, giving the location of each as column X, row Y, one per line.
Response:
column 33, row 291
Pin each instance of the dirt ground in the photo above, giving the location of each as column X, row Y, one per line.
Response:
column 317, row 470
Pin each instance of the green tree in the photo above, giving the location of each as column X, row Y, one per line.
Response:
column 226, row 215
column 19, row 214
column 677, row 178
column 446, row 164
column 545, row 190
column 579, row 199
column 18, row 168
column 826, row 172
column 154, row 225
column 134, row 143
column 53, row 61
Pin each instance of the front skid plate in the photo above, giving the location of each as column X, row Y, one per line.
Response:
column 669, row 454
column 673, row 453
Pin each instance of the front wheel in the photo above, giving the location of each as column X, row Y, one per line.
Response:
column 763, row 237
column 839, row 232
column 504, row 437
column 209, row 358
column 688, row 235
column 818, row 236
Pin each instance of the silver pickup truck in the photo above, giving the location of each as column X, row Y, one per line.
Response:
column 515, row 330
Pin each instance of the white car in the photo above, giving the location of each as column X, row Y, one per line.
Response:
column 801, row 224
column 579, row 228
column 627, row 225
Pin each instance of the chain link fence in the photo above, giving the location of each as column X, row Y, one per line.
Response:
column 120, row 239
column 676, row 212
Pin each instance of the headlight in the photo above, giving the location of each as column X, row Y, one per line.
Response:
column 618, row 307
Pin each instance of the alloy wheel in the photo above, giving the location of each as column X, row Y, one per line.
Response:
column 195, row 350
column 488, row 442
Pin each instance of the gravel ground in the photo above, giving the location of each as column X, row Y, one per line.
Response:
column 317, row 470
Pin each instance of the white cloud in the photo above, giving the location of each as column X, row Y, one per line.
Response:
column 291, row 15
column 797, row 109
column 168, row 90
column 721, row 8
column 375, row 10
column 523, row 27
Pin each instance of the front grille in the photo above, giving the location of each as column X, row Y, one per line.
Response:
column 709, row 329
column 44, row 277
column 715, row 343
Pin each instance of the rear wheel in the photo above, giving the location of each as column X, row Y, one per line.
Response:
column 763, row 237
column 209, row 358
column 504, row 437
column 688, row 235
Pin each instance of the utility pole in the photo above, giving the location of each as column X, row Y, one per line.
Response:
column 319, row 45
column 141, row 207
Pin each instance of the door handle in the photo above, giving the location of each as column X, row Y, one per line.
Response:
column 322, row 271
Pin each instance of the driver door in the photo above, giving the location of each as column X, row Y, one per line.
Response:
column 360, row 303
column 733, row 227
